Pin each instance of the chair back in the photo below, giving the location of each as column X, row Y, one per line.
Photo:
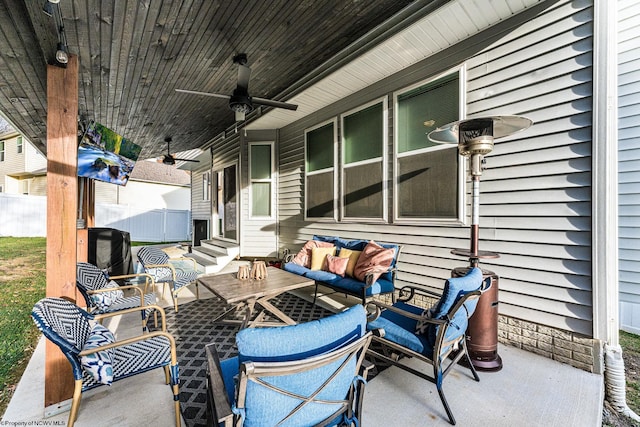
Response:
column 152, row 255
column 64, row 324
column 301, row 374
column 456, row 305
column 90, row 278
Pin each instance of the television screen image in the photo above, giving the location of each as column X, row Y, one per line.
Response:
column 104, row 155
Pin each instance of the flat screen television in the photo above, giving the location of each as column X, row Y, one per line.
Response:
column 104, row 155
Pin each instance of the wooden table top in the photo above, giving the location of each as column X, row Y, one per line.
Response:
column 232, row 290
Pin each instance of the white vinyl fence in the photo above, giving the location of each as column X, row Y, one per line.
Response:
column 26, row 216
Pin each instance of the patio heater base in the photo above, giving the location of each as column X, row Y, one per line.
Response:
column 482, row 332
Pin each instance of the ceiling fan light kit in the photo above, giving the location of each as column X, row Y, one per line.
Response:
column 240, row 102
column 169, row 159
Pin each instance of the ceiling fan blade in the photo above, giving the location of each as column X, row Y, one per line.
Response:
column 186, row 160
column 244, row 73
column 194, row 92
column 272, row 103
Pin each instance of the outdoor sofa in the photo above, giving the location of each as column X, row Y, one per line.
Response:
column 370, row 269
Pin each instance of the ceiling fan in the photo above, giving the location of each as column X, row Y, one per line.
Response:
column 168, row 158
column 240, row 101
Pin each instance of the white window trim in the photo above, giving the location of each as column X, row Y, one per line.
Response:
column 461, row 219
column 343, row 166
column 206, row 186
column 270, row 180
column 334, row 218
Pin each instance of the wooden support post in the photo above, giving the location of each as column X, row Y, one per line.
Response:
column 62, row 203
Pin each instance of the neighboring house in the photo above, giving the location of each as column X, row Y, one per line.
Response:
column 23, row 168
column 361, row 166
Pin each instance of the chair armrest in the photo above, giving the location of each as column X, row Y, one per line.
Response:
column 380, row 306
column 220, row 404
column 365, row 368
column 169, row 266
column 135, row 309
column 147, row 278
column 183, row 259
column 144, row 337
column 134, row 288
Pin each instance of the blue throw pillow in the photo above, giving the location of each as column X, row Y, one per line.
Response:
column 102, row 300
column 100, row 364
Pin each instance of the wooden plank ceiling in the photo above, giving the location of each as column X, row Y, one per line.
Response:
column 133, row 54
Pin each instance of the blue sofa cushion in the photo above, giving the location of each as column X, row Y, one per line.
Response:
column 292, row 267
column 264, row 406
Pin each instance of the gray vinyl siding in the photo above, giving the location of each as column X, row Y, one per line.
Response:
column 629, row 163
column 535, row 195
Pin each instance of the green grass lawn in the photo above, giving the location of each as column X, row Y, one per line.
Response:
column 23, row 282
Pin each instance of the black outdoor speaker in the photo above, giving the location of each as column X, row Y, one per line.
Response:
column 110, row 250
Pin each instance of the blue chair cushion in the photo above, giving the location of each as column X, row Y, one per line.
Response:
column 301, row 341
column 100, row 364
column 230, row 368
column 264, row 406
column 455, row 288
column 400, row 329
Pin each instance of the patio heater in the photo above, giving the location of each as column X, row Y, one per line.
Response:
column 474, row 138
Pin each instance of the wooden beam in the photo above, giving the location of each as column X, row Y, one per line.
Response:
column 62, row 204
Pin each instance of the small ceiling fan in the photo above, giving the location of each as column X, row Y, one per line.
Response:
column 169, row 159
column 240, row 101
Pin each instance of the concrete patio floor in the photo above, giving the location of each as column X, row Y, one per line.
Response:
column 530, row 390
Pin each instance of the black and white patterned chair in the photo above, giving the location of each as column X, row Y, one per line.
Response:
column 103, row 295
column 96, row 357
column 174, row 272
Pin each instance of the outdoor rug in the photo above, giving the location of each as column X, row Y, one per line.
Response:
column 193, row 328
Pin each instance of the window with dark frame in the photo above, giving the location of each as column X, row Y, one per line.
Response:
column 427, row 175
column 320, row 159
column 362, row 167
column 261, row 177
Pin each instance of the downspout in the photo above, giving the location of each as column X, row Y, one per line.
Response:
column 605, row 203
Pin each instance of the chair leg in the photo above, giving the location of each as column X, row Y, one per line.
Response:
column 175, row 387
column 468, row 359
column 197, row 291
column 75, row 402
column 315, row 295
column 452, row 420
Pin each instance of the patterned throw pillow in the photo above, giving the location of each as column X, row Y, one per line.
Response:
column 353, row 259
column 100, row 364
column 374, row 259
column 319, row 257
column 337, row 265
column 303, row 257
column 102, row 300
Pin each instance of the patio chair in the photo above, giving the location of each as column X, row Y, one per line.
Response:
column 103, row 295
column 96, row 357
column 299, row 375
column 435, row 336
column 174, row 272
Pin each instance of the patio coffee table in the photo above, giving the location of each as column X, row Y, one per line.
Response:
column 246, row 294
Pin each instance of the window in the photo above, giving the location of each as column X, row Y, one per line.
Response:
column 261, row 176
column 206, row 186
column 363, row 165
column 1, row 151
column 428, row 177
column 19, row 144
column 320, row 171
